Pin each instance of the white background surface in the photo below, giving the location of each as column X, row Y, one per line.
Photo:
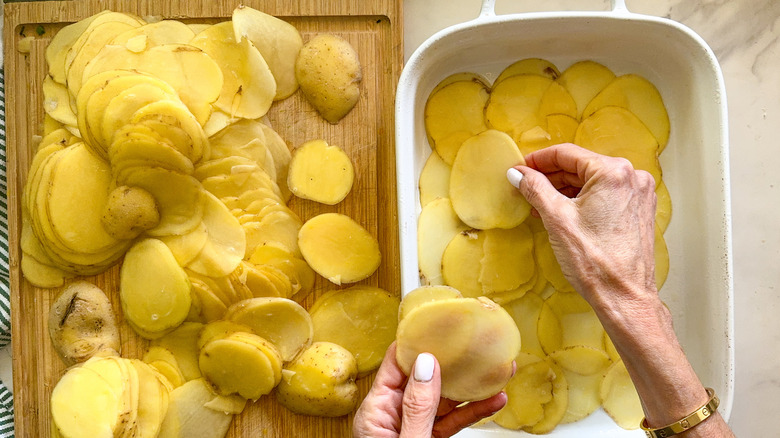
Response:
column 745, row 35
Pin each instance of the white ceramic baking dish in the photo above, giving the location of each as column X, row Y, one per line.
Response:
column 695, row 163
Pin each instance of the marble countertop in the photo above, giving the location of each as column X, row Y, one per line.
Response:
column 745, row 36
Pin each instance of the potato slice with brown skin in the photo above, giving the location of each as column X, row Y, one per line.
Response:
column 619, row 397
column 281, row 321
column 129, row 212
column 436, row 227
column 362, row 319
column 329, row 74
column 480, row 193
column 82, row 324
column 320, row 172
column 474, row 340
column 321, row 381
column 338, row 248
column 447, row 129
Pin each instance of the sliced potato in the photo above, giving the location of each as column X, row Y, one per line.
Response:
column 582, row 360
column 525, row 311
column 188, row 415
column 186, row 247
column 84, row 403
column 508, row 261
column 529, row 66
column 425, row 294
column 155, row 34
column 182, row 342
column 480, row 193
column 225, row 244
column 619, row 397
column 320, row 172
column 663, row 208
column 447, row 130
column 548, row 264
column 527, row 393
column 436, row 227
column 338, row 248
column 56, row 102
column 60, row 44
column 583, row 395
column 455, row 332
column 661, row 258
column 560, row 128
column 362, row 319
column 514, row 104
column 434, row 179
column 556, row 408
column 461, row 262
column 584, row 80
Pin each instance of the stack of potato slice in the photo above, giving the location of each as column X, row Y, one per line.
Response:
column 473, row 235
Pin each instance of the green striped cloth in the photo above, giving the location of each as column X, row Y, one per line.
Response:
column 6, row 398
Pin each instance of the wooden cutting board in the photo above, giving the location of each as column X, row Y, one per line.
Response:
column 373, row 27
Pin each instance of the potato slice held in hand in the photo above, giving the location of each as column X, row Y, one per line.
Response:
column 338, row 248
column 480, row 193
column 321, row 381
column 474, row 340
column 82, row 324
column 362, row 319
column 320, row 172
column 328, row 71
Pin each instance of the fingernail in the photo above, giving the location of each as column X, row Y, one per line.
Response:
column 514, row 176
column 423, row 368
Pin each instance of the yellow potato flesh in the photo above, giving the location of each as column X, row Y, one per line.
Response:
column 425, row 294
column 556, row 408
column 639, row 96
column 279, row 227
column 527, row 393
column 480, row 193
column 338, row 248
column 583, row 395
column 514, row 104
column 155, row 34
column 83, row 403
column 56, row 102
column 525, row 311
column 173, row 121
column 529, row 66
column 188, row 416
column 448, row 129
column 225, row 245
column 154, row 290
column 508, row 259
column 282, row 322
column 361, row 319
column 248, row 87
column 584, row 80
column 152, row 400
column 320, row 172
column 619, row 397
column 461, row 262
column 235, row 366
column 186, row 247
column 434, row 179
column 661, row 258
column 278, row 41
column 560, row 128
column 182, row 342
column 57, row 49
column 582, row 360
column 474, row 340
column 663, row 207
column 436, row 227
column 548, row 264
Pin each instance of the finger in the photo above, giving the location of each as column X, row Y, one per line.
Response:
column 446, row 406
column 567, row 157
column 389, row 375
column 561, row 179
column 538, row 191
column 421, row 398
column 467, row 415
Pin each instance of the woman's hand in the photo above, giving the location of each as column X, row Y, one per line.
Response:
column 398, row 406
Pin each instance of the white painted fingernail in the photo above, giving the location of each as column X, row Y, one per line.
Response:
column 514, row 176
column 423, row 367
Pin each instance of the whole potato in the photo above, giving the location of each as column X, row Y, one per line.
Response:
column 328, row 71
column 321, row 382
column 129, row 212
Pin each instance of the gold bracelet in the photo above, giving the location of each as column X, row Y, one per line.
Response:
column 686, row 423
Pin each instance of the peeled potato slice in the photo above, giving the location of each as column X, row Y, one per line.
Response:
column 320, row 172
column 154, row 290
column 338, row 248
column 362, row 319
column 480, row 193
column 434, row 179
column 639, row 96
column 446, row 129
column 584, row 80
column 281, row 321
column 436, row 227
column 425, row 294
column 529, row 66
column 619, row 397
column 474, row 340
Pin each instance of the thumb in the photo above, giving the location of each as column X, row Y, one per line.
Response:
column 537, row 190
column 421, row 398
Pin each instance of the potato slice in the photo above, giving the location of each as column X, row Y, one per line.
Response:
column 619, row 397
column 529, row 66
column 226, row 243
column 461, row 262
column 436, row 227
column 425, row 294
column 447, row 130
column 583, row 395
column 182, row 342
column 338, row 248
column 508, row 260
column 40, row 274
column 616, row 132
column 320, row 172
column 434, row 179
column 584, row 80
column 321, row 382
column 83, row 403
column 663, row 207
column 248, row 86
column 297, row 270
column 60, row 44
column 582, row 360
column 639, row 96
column 154, row 290
column 188, row 415
column 474, row 340
column 278, row 41
column 56, row 102
column 480, row 193
column 548, row 264
column 579, row 325
column 661, row 258
column 527, row 393
column 153, row 393
column 187, row 246
column 362, row 319
column 560, row 128
column 525, row 311
column 173, row 121
column 278, row 228
column 328, row 71
column 194, row 75
column 241, row 363
column 281, row 321
column 556, row 408
column 515, row 102
column 155, row 34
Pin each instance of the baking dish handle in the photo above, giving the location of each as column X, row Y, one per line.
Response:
column 489, row 8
